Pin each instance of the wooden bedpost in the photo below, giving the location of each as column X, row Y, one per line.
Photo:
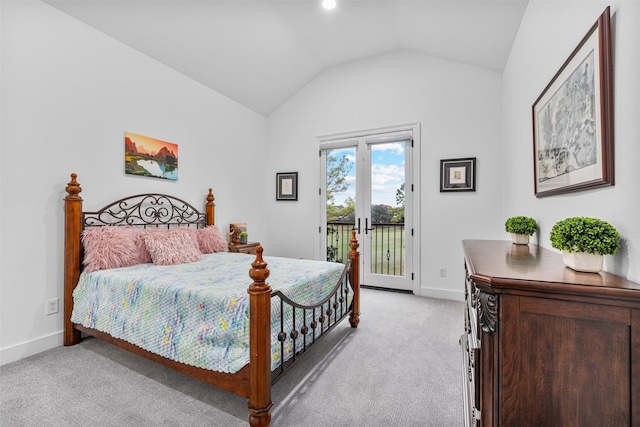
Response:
column 259, row 343
column 210, row 209
column 72, row 254
column 354, row 256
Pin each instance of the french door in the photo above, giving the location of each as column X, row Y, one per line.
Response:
column 364, row 182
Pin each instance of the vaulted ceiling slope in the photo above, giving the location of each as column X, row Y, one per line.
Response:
column 260, row 53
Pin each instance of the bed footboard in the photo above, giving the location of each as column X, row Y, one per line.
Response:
column 324, row 316
column 354, row 277
column 301, row 326
column 259, row 343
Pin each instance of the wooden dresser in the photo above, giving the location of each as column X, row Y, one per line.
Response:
column 244, row 248
column 545, row 345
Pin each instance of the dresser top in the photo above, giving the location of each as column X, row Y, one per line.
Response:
column 502, row 265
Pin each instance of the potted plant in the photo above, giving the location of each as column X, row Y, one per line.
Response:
column 521, row 228
column 243, row 237
column 584, row 242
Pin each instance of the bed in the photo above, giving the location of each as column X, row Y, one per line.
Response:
column 124, row 303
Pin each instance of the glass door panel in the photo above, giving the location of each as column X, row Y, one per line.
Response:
column 363, row 188
column 340, row 191
column 385, row 231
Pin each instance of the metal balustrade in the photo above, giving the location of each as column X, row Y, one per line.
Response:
column 387, row 250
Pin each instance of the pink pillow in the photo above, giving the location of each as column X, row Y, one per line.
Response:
column 175, row 246
column 141, row 248
column 210, row 240
column 111, row 247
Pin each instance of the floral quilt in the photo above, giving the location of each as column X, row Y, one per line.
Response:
column 196, row 313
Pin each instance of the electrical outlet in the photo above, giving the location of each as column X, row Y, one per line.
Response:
column 443, row 272
column 51, row 306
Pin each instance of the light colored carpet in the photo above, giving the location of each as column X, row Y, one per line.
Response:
column 400, row 367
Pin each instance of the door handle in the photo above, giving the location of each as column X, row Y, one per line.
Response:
column 358, row 227
column 366, row 226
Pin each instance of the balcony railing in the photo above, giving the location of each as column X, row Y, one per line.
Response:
column 387, row 246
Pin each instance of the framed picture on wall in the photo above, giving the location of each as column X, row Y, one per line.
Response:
column 150, row 157
column 573, row 119
column 458, row 174
column 287, row 186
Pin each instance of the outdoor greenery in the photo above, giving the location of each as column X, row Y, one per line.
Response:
column 581, row 234
column 386, row 240
column 521, row 225
column 336, row 183
column 388, row 221
column 388, row 250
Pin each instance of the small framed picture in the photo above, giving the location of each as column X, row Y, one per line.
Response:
column 287, row 186
column 458, row 174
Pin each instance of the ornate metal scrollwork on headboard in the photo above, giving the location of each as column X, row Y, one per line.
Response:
column 146, row 210
column 487, row 310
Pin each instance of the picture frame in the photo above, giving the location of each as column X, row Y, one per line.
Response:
column 458, row 175
column 234, row 232
column 287, row 186
column 573, row 119
column 150, row 157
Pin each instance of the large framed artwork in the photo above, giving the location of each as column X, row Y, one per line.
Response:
column 145, row 156
column 458, row 174
column 573, row 119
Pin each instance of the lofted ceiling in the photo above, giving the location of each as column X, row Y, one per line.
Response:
column 261, row 52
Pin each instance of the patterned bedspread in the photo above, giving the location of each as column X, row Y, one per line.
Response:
column 197, row 313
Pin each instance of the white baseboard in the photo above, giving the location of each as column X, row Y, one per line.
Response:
column 29, row 348
column 442, row 294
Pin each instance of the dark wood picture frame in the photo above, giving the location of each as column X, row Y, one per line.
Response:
column 573, row 146
column 287, row 186
column 458, row 174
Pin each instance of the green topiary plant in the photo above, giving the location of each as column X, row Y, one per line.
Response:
column 581, row 234
column 521, row 225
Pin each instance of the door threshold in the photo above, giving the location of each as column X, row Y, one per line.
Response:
column 380, row 288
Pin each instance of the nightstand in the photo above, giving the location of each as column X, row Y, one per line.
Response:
column 245, row 248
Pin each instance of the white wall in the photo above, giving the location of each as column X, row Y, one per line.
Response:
column 549, row 32
column 68, row 95
column 459, row 109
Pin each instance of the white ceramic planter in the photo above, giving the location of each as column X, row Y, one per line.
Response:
column 520, row 239
column 582, row 261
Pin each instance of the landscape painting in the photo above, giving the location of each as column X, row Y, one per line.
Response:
column 573, row 120
column 567, row 139
column 144, row 156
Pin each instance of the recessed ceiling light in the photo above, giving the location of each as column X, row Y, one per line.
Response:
column 329, row 4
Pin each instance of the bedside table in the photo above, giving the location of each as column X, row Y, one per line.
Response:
column 245, row 248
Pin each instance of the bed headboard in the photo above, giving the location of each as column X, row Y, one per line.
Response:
column 147, row 210
column 143, row 210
